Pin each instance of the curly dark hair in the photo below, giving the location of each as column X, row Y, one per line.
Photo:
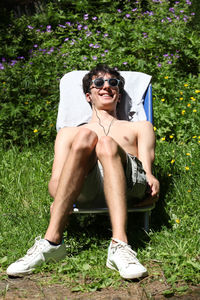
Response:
column 101, row 68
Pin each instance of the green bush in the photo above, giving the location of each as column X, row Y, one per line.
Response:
column 158, row 41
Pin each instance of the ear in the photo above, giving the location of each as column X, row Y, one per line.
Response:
column 88, row 97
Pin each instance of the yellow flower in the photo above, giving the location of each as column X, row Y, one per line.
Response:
column 181, row 92
column 26, row 102
column 154, row 128
column 188, row 105
column 185, row 85
column 48, row 102
column 172, row 161
column 181, row 98
column 187, row 168
column 183, row 112
column 4, row 83
column 171, row 136
column 194, row 137
column 188, row 154
column 177, row 221
column 51, row 125
column 35, row 130
column 163, row 139
column 189, row 191
column 169, row 175
column 166, row 77
column 197, row 91
column 162, row 99
column 192, row 98
column 194, row 110
column 199, row 136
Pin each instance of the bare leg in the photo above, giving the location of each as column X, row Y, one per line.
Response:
column 112, row 158
column 80, row 160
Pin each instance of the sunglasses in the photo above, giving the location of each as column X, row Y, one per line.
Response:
column 99, row 82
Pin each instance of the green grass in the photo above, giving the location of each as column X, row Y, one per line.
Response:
column 173, row 242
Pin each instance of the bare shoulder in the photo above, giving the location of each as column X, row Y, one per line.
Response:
column 141, row 125
column 137, row 125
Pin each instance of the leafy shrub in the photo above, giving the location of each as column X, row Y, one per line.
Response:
column 158, row 41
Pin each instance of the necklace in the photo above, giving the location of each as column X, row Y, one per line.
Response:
column 106, row 133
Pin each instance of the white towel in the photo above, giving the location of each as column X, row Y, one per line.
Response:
column 74, row 110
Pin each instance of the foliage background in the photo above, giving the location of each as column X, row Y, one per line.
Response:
column 38, row 45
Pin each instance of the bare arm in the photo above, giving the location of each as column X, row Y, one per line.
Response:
column 146, row 154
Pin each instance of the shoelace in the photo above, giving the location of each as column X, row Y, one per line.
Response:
column 127, row 254
column 34, row 249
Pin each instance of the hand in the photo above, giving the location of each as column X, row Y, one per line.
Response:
column 153, row 193
column 154, row 185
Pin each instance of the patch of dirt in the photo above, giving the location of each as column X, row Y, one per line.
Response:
column 31, row 288
column 37, row 286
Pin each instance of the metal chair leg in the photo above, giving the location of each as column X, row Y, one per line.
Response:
column 146, row 220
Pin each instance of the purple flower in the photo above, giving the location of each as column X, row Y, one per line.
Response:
column 35, row 46
column 13, row 62
column 3, row 59
column 134, row 9
column 128, row 15
column 88, row 33
column 94, row 57
column 125, row 63
column 119, row 10
column 84, row 57
column 103, row 54
column 67, row 39
column 62, row 26
column 79, row 27
column 91, row 45
column 1, row 67
column 106, row 34
column 94, row 18
column 85, row 27
column 181, row 11
column 106, row 51
column 68, row 23
column 193, row 14
column 30, row 27
column 159, row 65
column 169, row 62
column 86, row 17
column 165, row 55
column 48, row 28
column 171, row 9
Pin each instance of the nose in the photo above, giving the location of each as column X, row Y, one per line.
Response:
column 106, row 85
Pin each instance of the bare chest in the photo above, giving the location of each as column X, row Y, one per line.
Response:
column 121, row 132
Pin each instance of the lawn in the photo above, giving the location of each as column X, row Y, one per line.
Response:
column 156, row 37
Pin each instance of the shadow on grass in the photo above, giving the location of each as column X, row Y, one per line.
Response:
column 92, row 228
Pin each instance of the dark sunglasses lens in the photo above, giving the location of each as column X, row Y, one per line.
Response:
column 99, row 82
column 113, row 82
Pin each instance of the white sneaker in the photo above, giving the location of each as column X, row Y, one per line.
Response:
column 123, row 259
column 42, row 251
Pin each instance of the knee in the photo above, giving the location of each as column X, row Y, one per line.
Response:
column 106, row 147
column 84, row 141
